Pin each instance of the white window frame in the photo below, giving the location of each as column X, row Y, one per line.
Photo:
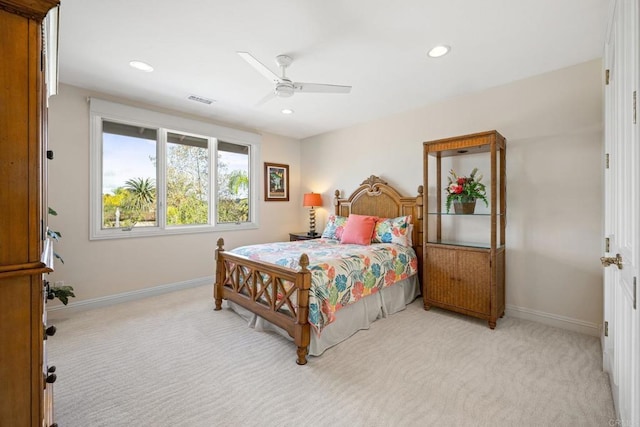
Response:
column 106, row 110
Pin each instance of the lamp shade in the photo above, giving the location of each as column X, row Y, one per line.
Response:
column 312, row 199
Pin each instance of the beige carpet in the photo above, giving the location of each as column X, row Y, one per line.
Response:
column 171, row 360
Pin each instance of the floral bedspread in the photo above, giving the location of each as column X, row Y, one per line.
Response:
column 341, row 274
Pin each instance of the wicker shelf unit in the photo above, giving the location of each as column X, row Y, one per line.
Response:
column 462, row 273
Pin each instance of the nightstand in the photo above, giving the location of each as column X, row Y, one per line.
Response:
column 302, row 236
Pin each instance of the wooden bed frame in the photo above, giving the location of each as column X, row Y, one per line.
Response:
column 251, row 284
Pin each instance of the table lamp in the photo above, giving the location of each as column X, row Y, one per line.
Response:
column 312, row 200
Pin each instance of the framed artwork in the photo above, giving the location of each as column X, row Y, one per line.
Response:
column 276, row 182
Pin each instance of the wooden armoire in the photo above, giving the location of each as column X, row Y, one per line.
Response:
column 25, row 378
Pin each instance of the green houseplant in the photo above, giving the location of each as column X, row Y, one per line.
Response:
column 463, row 189
column 63, row 292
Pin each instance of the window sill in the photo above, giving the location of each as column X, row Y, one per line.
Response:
column 107, row 234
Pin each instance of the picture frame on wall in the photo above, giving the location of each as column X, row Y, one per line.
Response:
column 276, row 182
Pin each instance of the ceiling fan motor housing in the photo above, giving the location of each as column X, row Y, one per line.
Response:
column 284, row 88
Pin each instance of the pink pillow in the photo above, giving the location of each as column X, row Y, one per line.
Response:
column 359, row 229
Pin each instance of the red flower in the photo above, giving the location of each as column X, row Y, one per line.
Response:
column 461, row 180
column 357, row 290
column 326, row 307
column 456, row 189
column 390, row 277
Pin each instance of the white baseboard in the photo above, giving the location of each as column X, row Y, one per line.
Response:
column 76, row 306
column 554, row 320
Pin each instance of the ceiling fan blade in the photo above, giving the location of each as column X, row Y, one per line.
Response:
column 266, row 98
column 259, row 66
column 320, row 88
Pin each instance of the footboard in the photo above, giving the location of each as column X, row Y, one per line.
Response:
column 278, row 294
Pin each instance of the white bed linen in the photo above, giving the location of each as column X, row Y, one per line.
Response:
column 349, row 319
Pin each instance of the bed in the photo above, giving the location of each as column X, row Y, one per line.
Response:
column 280, row 286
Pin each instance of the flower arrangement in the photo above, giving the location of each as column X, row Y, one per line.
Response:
column 465, row 189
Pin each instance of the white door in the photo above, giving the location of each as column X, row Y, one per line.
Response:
column 621, row 343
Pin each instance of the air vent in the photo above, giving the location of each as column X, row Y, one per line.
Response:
column 201, row 99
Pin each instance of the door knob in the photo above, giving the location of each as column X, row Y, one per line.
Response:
column 607, row 261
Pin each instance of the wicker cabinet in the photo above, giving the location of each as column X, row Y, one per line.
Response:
column 464, row 254
column 25, row 377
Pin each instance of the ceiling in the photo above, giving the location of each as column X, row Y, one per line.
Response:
column 377, row 47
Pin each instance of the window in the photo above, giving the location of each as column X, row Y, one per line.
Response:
column 187, row 182
column 128, row 176
column 157, row 174
column 233, row 183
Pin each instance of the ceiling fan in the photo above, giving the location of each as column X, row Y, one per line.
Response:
column 284, row 87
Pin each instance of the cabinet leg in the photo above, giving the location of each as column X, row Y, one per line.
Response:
column 492, row 324
column 427, row 306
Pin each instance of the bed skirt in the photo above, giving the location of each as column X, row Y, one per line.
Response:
column 349, row 319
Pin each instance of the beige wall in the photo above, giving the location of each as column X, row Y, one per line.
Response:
column 107, row 267
column 553, row 124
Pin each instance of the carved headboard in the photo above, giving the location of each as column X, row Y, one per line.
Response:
column 375, row 197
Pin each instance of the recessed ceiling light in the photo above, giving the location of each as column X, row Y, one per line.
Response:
column 287, row 111
column 439, row 51
column 142, row 66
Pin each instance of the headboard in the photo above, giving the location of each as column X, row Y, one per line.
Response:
column 375, row 197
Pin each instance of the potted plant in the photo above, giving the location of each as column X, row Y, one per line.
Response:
column 463, row 191
column 63, row 292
